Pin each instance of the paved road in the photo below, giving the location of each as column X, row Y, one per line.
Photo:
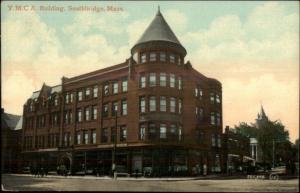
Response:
column 25, row 183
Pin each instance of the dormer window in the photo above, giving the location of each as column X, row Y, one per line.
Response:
column 56, row 101
column 31, row 106
column 172, row 58
column 135, row 56
column 87, row 92
column 143, row 58
column 152, row 57
column 162, row 56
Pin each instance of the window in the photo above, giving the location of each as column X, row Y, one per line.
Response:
column 179, row 60
column 142, row 105
column 152, row 131
column 173, row 131
column 180, row 133
column 163, row 104
column 95, row 91
column 219, row 140
column 172, row 58
column 104, row 135
column 115, row 87
column 143, row 57
column 87, row 113
column 123, row 133
column 152, row 56
column 172, row 105
column 124, row 107
column 179, row 83
column 87, row 92
column 218, row 119
column 67, row 98
column 218, row 101
column 172, row 80
column 114, row 109
column 201, row 114
column 105, row 110
column 78, row 140
column 135, row 56
column 124, row 85
column 196, row 92
column 31, row 106
column 196, row 110
column 162, row 56
column 66, row 140
column 56, row 100
column 79, row 115
column 142, row 132
column 212, row 98
column 179, row 106
column 143, row 81
column 163, row 79
column 200, row 93
column 94, row 111
column 86, row 137
column 71, row 97
column 212, row 118
column 70, row 116
column 213, row 140
column 152, row 104
column 106, row 89
column 79, row 95
column 66, row 120
column 94, row 136
column 152, row 79
column 163, row 131
column 55, row 119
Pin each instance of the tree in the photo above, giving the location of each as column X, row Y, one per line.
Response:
column 246, row 130
column 267, row 133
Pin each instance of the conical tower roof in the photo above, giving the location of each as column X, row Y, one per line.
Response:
column 159, row 30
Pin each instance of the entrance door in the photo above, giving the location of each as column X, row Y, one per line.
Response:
column 137, row 163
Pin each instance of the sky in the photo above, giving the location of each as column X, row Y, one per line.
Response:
column 252, row 48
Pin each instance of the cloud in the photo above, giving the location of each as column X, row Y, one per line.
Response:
column 268, row 38
column 14, row 92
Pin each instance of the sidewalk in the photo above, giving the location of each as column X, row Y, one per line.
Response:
column 133, row 178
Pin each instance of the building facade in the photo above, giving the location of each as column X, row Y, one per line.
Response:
column 237, row 152
column 153, row 114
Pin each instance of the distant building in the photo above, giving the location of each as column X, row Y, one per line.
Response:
column 164, row 116
column 236, row 150
column 11, row 135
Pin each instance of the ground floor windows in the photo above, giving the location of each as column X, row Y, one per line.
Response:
column 152, row 162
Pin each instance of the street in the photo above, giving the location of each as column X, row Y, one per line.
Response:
column 29, row 183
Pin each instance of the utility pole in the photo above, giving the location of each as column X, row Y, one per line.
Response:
column 115, row 147
column 273, row 153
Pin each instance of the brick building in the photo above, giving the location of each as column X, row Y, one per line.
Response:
column 168, row 115
column 237, row 152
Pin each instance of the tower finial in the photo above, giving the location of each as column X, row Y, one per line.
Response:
column 158, row 10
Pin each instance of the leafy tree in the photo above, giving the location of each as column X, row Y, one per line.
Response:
column 268, row 133
column 246, row 130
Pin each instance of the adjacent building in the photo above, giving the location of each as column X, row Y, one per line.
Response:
column 236, row 151
column 11, row 135
column 152, row 114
